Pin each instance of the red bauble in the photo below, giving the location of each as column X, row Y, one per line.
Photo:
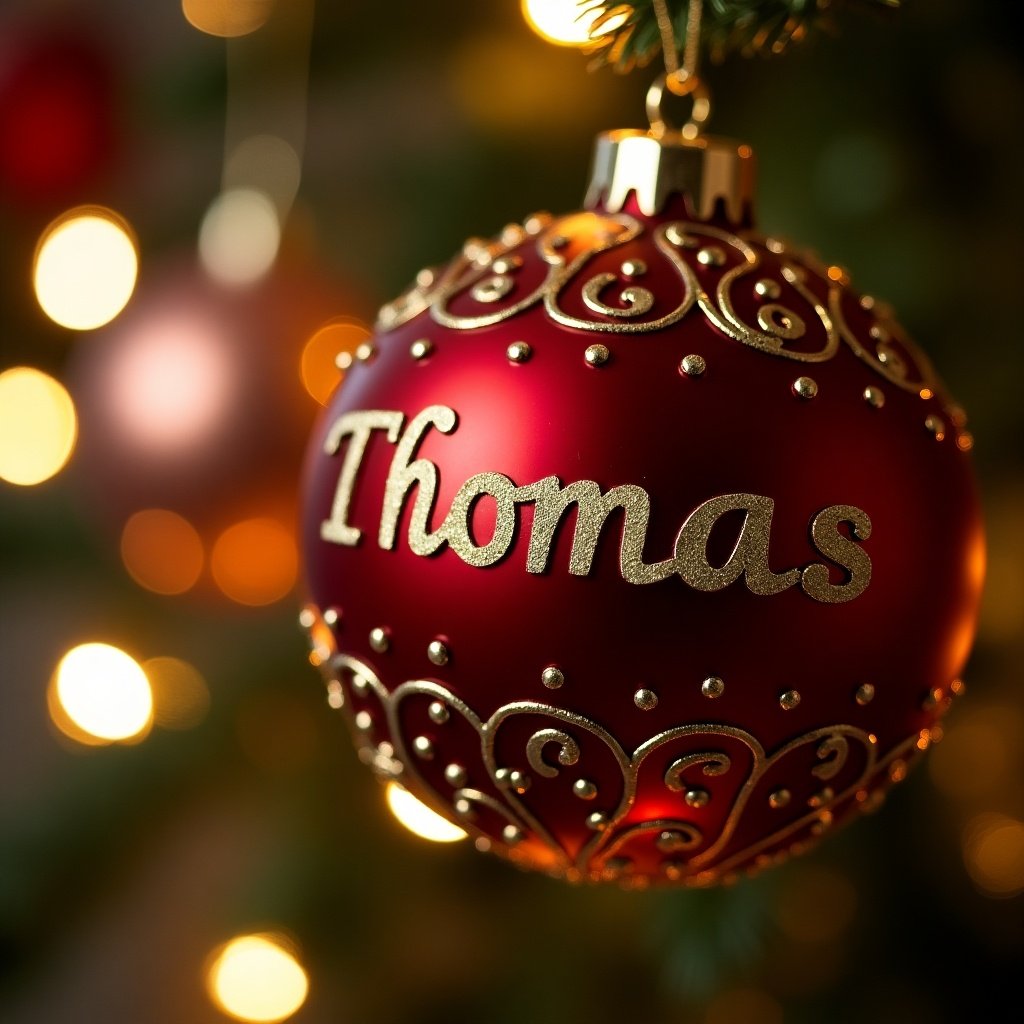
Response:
column 638, row 544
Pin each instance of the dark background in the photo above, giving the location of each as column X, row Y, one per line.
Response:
column 894, row 147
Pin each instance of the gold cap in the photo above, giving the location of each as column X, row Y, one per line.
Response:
column 705, row 169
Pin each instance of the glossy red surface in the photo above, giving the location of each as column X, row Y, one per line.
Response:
column 638, row 420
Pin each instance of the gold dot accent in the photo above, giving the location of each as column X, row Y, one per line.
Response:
column 366, row 351
column 331, row 616
column 343, row 361
column 597, row 821
column 421, row 349
column 865, row 694
column 634, row 268
column 518, row 352
column 934, row 425
column 511, row 834
column 711, row 256
column 645, row 700
column 779, row 798
column 957, row 687
column 767, row 289
column 364, row 722
column 380, row 640
column 670, row 841
column 438, row 653
column 712, row 687
column 875, row 397
column 455, row 774
column 584, row 789
column 552, row 677
column 789, row 700
column 697, row 797
column 438, row 713
column 597, row 355
column 519, row 782
column 805, row 387
column 693, row 365
column 423, row 747
column 965, row 441
column 898, row 770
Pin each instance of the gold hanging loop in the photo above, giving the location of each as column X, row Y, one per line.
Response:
column 690, row 86
column 679, row 81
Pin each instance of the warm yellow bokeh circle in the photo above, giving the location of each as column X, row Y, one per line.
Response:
column 85, row 268
column 38, row 426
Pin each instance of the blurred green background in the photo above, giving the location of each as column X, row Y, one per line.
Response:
column 894, row 147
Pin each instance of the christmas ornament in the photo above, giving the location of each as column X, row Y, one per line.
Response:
column 638, row 544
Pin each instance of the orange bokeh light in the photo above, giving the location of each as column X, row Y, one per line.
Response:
column 162, row 551
column 318, row 369
column 255, row 562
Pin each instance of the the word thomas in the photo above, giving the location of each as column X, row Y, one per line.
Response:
column 551, row 500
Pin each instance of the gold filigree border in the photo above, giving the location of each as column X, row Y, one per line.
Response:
column 484, row 274
column 526, row 840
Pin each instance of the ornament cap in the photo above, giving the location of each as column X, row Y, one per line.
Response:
column 708, row 170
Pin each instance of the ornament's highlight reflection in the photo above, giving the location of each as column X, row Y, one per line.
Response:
column 419, row 819
column 85, row 268
column 255, row 978
column 99, row 693
column 38, row 426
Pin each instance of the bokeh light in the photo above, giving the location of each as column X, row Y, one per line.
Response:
column 267, row 163
column 318, row 368
column 239, row 237
column 994, row 854
column 255, row 978
column 815, row 904
column 744, row 1006
column 103, row 692
column 255, row 562
column 172, row 386
column 419, row 819
column 85, row 268
column 38, row 426
column 979, row 757
column 181, row 697
column 162, row 551
column 565, row 23
column 227, row 18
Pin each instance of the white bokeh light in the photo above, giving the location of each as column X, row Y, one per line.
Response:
column 239, row 237
column 172, row 386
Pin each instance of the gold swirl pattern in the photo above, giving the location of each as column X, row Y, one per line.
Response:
column 523, row 754
column 799, row 309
